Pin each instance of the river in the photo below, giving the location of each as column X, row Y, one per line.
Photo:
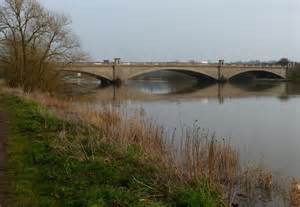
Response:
column 261, row 118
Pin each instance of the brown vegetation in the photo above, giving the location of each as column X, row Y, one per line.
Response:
column 198, row 155
column 295, row 193
column 33, row 43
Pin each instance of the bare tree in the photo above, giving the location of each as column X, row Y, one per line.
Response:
column 34, row 42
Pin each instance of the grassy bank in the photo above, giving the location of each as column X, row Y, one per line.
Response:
column 55, row 162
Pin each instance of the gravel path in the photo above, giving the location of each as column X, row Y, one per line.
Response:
column 3, row 135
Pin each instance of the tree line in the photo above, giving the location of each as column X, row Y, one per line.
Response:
column 34, row 44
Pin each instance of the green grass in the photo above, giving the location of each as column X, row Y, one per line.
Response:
column 39, row 175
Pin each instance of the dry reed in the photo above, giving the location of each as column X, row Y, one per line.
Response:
column 199, row 155
column 295, row 193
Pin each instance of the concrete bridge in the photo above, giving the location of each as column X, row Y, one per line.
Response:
column 217, row 72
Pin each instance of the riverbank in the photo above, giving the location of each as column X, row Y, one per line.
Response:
column 58, row 162
column 3, row 136
column 160, row 170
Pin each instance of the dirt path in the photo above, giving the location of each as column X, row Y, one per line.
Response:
column 3, row 135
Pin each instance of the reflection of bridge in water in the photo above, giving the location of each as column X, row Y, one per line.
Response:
column 217, row 72
column 214, row 91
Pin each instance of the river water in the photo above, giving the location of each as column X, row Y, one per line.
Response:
column 261, row 118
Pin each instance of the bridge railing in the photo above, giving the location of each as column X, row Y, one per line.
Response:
column 255, row 66
column 169, row 64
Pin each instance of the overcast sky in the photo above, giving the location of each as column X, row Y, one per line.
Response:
column 185, row 29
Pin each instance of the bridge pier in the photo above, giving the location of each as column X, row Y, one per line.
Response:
column 221, row 63
column 290, row 67
column 220, row 93
column 116, row 82
column 221, row 77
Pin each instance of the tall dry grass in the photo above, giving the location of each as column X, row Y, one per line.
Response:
column 198, row 155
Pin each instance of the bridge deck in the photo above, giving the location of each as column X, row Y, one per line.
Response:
column 124, row 72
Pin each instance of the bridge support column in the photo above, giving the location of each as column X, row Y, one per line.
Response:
column 290, row 67
column 220, row 74
column 220, row 93
column 115, row 80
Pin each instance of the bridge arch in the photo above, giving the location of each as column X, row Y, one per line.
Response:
column 273, row 74
column 101, row 77
column 187, row 71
